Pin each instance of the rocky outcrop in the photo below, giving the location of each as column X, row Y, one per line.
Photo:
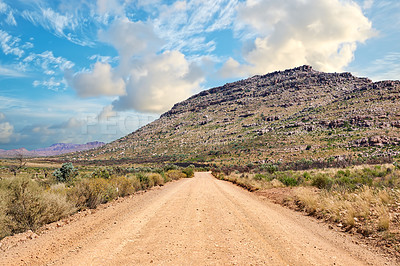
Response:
column 267, row 116
column 377, row 141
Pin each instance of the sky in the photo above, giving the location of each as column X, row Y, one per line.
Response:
column 77, row 71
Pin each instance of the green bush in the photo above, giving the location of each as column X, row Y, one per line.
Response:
column 306, row 175
column 322, row 181
column 145, row 181
column 272, row 168
column 66, row 173
column 101, row 173
column 289, row 181
column 189, row 172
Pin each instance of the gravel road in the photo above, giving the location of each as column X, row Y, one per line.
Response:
column 197, row 221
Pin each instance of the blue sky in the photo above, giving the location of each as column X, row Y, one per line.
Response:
column 77, row 71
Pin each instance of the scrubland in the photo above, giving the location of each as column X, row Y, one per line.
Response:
column 364, row 200
column 36, row 196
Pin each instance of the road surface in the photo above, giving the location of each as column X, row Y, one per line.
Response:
column 197, row 221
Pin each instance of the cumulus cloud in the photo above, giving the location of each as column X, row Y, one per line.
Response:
column 6, row 131
column 2, row 116
column 106, row 113
column 287, row 33
column 147, row 78
column 131, row 39
column 159, row 82
column 100, row 81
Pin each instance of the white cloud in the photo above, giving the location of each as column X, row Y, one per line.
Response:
column 106, row 113
column 3, row 7
column 321, row 33
column 10, row 19
column 159, row 82
column 6, row 131
column 66, row 22
column 102, row 58
column 146, row 79
column 48, row 62
column 180, row 23
column 51, row 20
column 10, row 44
column 131, row 39
column 101, row 81
column 51, row 84
column 9, row 71
column 110, row 7
column 2, row 116
column 368, row 4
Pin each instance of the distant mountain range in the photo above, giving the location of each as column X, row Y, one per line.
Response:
column 53, row 150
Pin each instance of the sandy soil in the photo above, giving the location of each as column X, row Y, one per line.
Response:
column 198, row 221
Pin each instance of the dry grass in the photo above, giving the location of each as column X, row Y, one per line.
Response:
column 158, row 180
column 30, row 201
column 364, row 207
column 25, row 205
column 175, row 174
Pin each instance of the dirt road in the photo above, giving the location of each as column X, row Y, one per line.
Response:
column 198, row 221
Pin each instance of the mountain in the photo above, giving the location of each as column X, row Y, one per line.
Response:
column 55, row 149
column 296, row 115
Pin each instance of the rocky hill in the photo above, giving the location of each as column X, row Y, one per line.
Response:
column 294, row 115
column 55, row 149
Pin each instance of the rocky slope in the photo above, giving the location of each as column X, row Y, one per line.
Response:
column 55, row 149
column 294, row 115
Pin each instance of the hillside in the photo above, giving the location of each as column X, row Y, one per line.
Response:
column 53, row 150
column 294, row 115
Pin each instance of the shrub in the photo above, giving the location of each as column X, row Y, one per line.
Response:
column 101, row 173
column 135, row 183
column 322, row 181
column 28, row 206
column 66, row 173
column 258, row 177
column 189, row 172
column 307, row 175
column 92, row 192
column 157, row 179
column 289, row 181
column 145, row 181
column 169, row 167
column 175, row 174
column 123, row 185
column 272, row 168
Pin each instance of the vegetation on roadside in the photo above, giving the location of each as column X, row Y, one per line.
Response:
column 34, row 197
column 365, row 200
